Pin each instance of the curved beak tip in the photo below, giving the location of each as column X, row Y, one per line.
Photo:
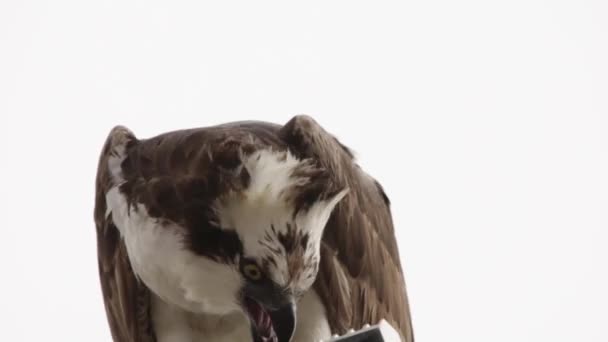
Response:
column 284, row 322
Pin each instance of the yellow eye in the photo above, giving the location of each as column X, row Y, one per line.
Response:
column 252, row 271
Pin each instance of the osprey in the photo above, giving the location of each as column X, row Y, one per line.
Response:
column 245, row 231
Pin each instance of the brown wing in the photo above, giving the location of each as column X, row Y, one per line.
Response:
column 360, row 279
column 126, row 299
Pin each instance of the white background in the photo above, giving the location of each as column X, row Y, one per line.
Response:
column 485, row 120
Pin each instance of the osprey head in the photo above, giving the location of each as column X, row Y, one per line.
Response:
column 279, row 217
column 236, row 232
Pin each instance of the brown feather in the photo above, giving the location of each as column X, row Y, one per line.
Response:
column 126, row 299
column 360, row 280
column 176, row 175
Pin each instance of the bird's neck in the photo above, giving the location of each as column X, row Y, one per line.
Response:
column 176, row 324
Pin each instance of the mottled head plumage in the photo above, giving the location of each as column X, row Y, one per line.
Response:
column 281, row 214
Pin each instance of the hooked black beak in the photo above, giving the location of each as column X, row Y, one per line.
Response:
column 272, row 324
column 284, row 322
